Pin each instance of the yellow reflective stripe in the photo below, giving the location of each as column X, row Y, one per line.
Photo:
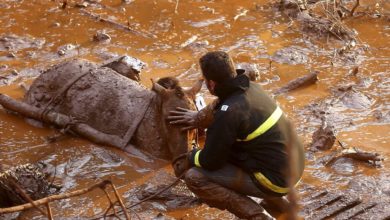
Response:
column 196, row 159
column 267, row 183
column 271, row 121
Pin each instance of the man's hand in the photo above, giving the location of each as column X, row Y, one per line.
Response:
column 184, row 117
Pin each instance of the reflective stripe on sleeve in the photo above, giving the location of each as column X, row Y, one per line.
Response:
column 196, row 159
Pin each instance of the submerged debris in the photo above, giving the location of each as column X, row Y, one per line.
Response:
column 291, row 55
column 30, row 178
column 306, row 80
column 101, row 36
column 178, row 196
column 16, row 43
column 356, row 154
column 323, row 138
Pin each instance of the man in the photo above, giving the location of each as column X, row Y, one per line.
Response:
column 245, row 152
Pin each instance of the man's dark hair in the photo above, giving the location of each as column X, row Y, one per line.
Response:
column 217, row 66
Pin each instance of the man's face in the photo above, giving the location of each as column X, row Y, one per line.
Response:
column 210, row 86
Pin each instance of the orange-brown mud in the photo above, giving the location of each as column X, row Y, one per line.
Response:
column 170, row 43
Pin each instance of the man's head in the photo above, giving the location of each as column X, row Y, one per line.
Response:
column 217, row 67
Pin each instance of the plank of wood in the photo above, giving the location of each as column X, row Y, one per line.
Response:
column 321, row 202
column 362, row 207
column 340, row 205
column 379, row 212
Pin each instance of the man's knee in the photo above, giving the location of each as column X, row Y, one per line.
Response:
column 195, row 179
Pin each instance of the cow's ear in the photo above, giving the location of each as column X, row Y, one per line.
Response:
column 159, row 89
column 194, row 89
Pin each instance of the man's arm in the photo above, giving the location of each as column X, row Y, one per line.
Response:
column 193, row 119
column 220, row 138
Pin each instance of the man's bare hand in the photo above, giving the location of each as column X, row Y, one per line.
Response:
column 183, row 117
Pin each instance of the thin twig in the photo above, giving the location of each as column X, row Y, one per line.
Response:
column 25, row 196
column 119, row 200
column 53, row 198
column 49, row 213
column 176, row 7
column 357, row 4
column 112, row 205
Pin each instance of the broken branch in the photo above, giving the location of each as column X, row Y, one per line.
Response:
column 116, row 24
column 306, row 80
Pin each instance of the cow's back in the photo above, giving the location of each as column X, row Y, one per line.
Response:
column 97, row 96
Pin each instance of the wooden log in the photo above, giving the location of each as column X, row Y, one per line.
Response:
column 306, row 80
column 60, row 120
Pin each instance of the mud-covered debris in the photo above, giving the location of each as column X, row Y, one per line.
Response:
column 178, row 196
column 3, row 67
column 11, row 55
column 303, row 81
column 354, row 153
column 322, row 201
column 30, row 178
column 169, row 199
column 189, row 41
column 127, row 66
column 83, row 4
column 364, row 198
column 291, row 55
column 56, row 24
column 345, row 202
column 350, row 213
column 380, row 211
column 102, row 36
column 159, row 216
column 63, row 50
column 16, row 43
column 251, row 69
column 14, row 72
column 352, row 98
column 242, row 12
column 208, row 22
column 323, row 138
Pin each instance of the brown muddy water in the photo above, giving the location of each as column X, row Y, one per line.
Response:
column 170, row 43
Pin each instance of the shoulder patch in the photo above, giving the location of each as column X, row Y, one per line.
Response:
column 224, row 108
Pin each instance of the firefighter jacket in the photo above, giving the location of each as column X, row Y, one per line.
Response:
column 250, row 131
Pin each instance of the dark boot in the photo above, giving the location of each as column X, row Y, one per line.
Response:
column 222, row 198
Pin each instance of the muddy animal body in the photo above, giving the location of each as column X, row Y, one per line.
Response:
column 112, row 104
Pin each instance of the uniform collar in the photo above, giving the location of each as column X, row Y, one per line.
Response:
column 226, row 89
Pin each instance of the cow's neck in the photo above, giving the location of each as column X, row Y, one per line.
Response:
column 149, row 135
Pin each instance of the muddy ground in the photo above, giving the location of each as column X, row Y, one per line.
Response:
column 352, row 92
